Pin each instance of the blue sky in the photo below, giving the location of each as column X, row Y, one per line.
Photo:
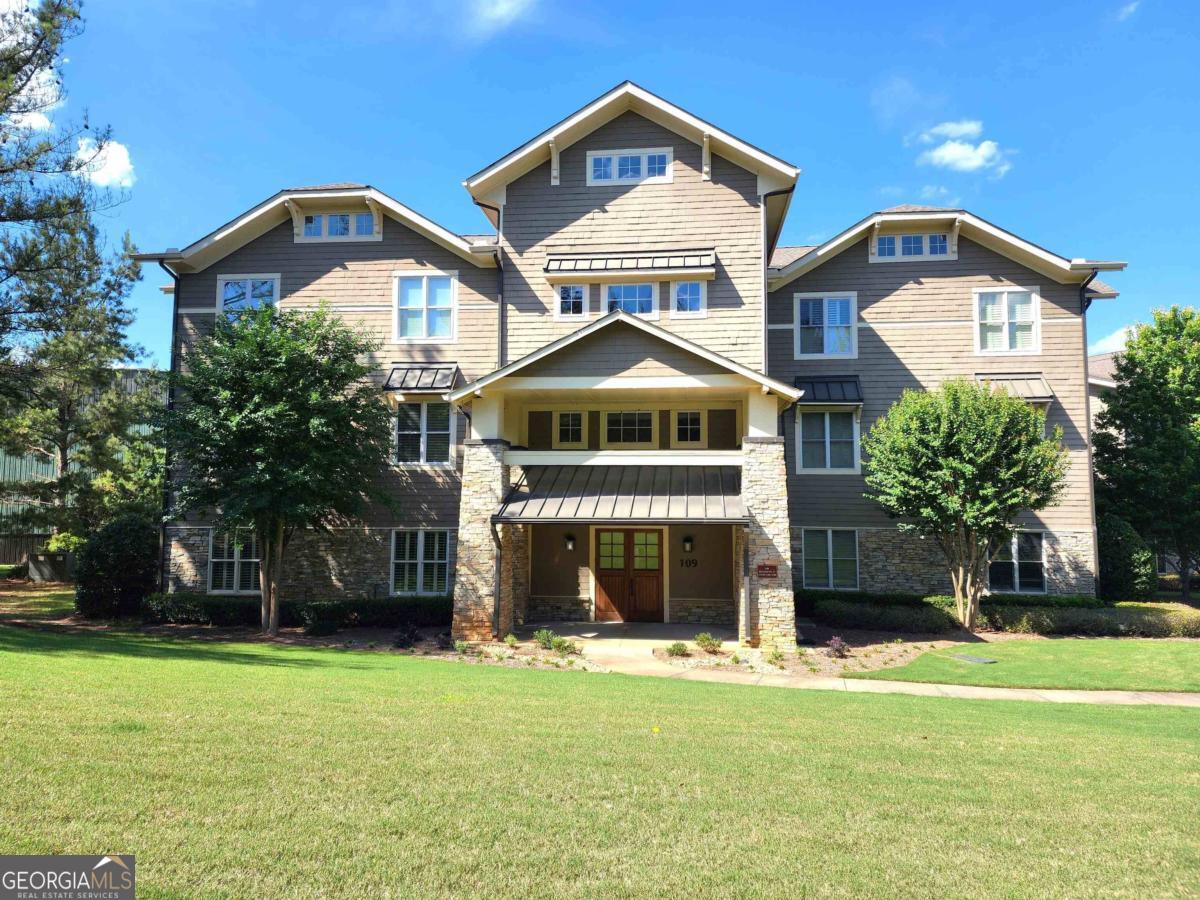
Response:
column 1073, row 124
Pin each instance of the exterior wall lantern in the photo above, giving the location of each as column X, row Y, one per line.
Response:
column 569, row 542
column 688, row 544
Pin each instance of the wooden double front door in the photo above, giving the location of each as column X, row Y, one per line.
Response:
column 629, row 575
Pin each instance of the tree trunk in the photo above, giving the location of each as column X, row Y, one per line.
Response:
column 1185, row 579
column 264, row 577
column 276, row 571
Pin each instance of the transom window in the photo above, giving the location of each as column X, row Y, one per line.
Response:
column 571, row 301
column 236, row 293
column 424, row 433
column 570, row 428
column 688, row 299
column 631, row 428
column 635, row 299
column 908, row 247
column 825, row 325
column 233, row 562
column 1019, row 565
column 831, row 558
column 339, row 226
column 1008, row 321
column 629, row 166
column 828, row 441
column 420, row 561
column 425, row 305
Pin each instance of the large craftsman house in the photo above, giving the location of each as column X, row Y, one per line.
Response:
column 626, row 401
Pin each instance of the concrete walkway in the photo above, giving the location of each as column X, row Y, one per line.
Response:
column 636, row 658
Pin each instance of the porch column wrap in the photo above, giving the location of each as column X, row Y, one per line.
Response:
column 772, row 620
column 485, row 479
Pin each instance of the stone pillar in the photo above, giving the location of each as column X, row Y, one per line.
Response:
column 520, row 573
column 772, row 620
column 485, row 480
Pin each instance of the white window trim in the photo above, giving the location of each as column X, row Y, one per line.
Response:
column 421, row 532
column 1015, row 564
column 643, row 152
column 676, row 443
column 441, row 464
column 624, row 445
column 560, row 316
column 799, row 434
column 426, row 274
column 649, row 317
column 873, row 255
column 852, row 296
column 222, row 279
column 829, row 550
column 582, row 443
column 703, row 311
column 1007, row 289
column 237, row 567
column 324, row 237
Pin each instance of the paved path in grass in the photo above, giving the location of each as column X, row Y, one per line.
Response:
column 640, row 661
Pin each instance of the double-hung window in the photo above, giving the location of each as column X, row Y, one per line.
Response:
column 640, row 166
column 571, row 301
column 831, row 558
column 425, row 306
column 233, row 561
column 1007, row 321
column 828, row 441
column 424, row 433
column 689, row 299
column 1019, row 564
column 825, row 325
column 236, row 293
column 630, row 430
column 635, row 299
column 420, row 561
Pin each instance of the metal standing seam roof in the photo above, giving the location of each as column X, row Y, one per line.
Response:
column 624, row 494
column 422, row 378
column 830, row 389
column 622, row 262
column 1029, row 386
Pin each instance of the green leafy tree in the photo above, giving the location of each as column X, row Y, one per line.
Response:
column 44, row 167
column 957, row 465
column 1147, row 442
column 67, row 403
column 277, row 429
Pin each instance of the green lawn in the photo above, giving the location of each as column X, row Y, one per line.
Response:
column 245, row 769
column 27, row 601
column 1101, row 664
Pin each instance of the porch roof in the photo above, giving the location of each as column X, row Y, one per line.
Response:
column 638, row 494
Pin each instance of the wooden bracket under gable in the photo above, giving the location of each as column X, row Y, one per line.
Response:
column 706, row 160
column 553, row 164
column 297, row 218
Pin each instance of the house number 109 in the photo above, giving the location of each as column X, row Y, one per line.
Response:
column 688, row 563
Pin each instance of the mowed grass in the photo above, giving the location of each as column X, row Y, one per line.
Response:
column 28, row 601
column 258, row 770
column 1097, row 664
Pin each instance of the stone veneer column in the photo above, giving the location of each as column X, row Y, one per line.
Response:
column 485, row 480
column 520, row 573
column 769, row 541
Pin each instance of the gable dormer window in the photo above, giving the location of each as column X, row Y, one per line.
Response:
column 640, row 166
column 910, row 247
column 340, row 226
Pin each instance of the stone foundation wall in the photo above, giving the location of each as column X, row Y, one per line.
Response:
column 558, row 609
column 187, row 558
column 1070, row 562
column 703, row 612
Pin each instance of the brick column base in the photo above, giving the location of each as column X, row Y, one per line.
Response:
column 485, row 479
column 772, row 619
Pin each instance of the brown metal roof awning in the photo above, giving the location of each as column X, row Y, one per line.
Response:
column 830, row 389
column 1031, row 387
column 699, row 262
column 638, row 494
column 419, row 379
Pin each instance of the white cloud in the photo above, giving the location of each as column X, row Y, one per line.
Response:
column 486, row 17
column 939, row 194
column 963, row 128
column 1111, row 343
column 111, row 167
column 1128, row 10
column 965, row 156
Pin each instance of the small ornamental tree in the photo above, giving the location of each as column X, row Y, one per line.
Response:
column 276, row 428
column 957, row 465
column 1147, row 438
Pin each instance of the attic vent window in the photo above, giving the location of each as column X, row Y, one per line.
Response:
column 339, row 226
column 642, row 166
column 911, row 247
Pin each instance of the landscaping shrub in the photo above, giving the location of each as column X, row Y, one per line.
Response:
column 927, row 618
column 1172, row 583
column 511, row 640
column 707, row 642
column 837, row 648
column 679, row 648
column 116, row 569
column 1126, row 563
column 1130, row 620
column 232, row 611
column 564, row 646
column 321, row 617
column 544, row 638
column 406, row 636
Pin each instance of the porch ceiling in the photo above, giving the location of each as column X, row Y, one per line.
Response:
column 625, row 494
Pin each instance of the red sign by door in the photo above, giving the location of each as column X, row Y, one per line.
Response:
column 768, row 570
